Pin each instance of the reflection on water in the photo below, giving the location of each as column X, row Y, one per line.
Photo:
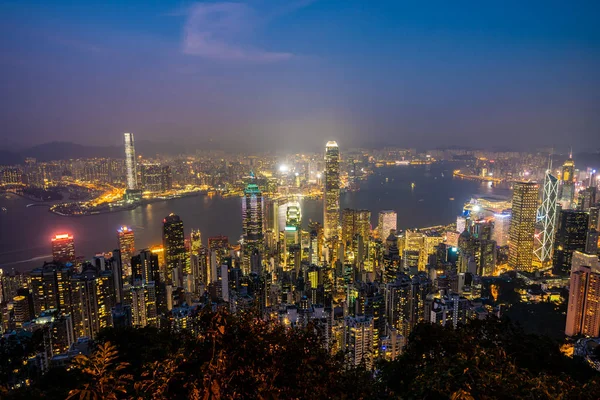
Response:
column 25, row 232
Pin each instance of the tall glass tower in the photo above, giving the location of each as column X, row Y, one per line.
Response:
column 331, row 195
column 173, row 243
column 130, row 163
column 567, row 194
column 546, row 220
column 252, row 228
column 522, row 225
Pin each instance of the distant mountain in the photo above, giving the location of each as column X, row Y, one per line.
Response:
column 67, row 150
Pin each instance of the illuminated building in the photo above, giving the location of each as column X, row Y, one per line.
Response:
column 173, row 244
column 92, row 295
column 358, row 340
column 50, row 287
column 387, row 221
column 522, row 225
column 156, row 178
column 586, row 198
column 195, row 241
column 63, row 248
column 21, row 310
column 546, row 220
column 501, row 228
column 331, row 194
column 583, row 310
column 356, row 230
column 144, row 305
column 571, row 235
column 130, row 162
column 11, row 176
column 144, row 267
column 126, row 240
column 252, row 224
column 567, row 193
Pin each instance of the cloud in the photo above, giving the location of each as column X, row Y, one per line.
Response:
column 220, row 31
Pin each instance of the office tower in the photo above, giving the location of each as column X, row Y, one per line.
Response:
column 546, row 220
column 356, row 230
column 522, row 225
column 501, row 228
column 358, row 340
column 331, row 193
column 583, row 310
column 271, row 223
column 116, row 266
column 387, row 222
column 485, row 257
column 130, row 162
column 568, row 184
column 173, row 244
column 145, row 268
column 571, row 235
column 252, row 223
column 126, row 240
column 63, row 248
column 195, row 241
column 156, row 178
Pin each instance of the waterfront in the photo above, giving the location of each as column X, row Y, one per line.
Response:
column 25, row 231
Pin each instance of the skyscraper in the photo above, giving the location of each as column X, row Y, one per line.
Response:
column 126, row 240
column 63, row 248
column 130, row 162
column 546, row 220
column 583, row 310
column 501, row 228
column 252, row 223
column 331, row 195
column 522, row 225
column 567, row 194
column 387, row 221
column 571, row 235
column 173, row 243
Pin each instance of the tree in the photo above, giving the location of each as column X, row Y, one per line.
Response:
column 103, row 378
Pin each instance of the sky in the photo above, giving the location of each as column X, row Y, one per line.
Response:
column 292, row 74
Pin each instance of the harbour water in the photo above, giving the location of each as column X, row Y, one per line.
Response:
column 421, row 195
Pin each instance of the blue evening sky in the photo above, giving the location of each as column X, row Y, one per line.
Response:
column 290, row 74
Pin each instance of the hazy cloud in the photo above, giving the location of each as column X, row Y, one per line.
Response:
column 220, row 31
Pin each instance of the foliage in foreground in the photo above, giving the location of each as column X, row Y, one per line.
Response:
column 240, row 357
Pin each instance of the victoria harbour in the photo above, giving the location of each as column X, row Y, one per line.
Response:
column 26, row 230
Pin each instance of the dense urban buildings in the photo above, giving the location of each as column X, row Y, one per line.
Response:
column 362, row 278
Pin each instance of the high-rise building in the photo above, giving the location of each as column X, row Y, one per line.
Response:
column 331, row 193
column 144, row 267
column 356, row 230
column 156, row 178
column 546, row 220
column 195, row 241
column 501, row 229
column 522, row 225
column 173, row 244
column 252, row 222
column 571, row 235
column 583, row 310
column 388, row 220
column 567, row 193
column 126, row 240
column 358, row 340
column 130, row 162
column 63, row 248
